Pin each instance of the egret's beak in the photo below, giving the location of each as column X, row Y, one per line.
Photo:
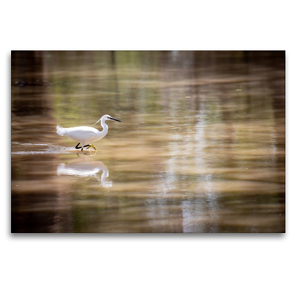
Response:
column 115, row 119
column 97, row 121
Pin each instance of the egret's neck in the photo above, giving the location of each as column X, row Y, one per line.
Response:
column 101, row 134
column 104, row 131
column 104, row 126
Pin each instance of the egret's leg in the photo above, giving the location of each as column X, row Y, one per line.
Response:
column 79, row 147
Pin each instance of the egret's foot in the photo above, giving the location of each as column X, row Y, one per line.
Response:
column 92, row 145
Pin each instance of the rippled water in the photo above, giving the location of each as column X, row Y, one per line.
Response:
column 201, row 145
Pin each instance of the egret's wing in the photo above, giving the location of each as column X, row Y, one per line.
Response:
column 81, row 134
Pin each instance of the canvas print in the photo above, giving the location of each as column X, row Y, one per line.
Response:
column 148, row 141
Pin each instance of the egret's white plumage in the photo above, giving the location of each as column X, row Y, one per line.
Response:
column 86, row 135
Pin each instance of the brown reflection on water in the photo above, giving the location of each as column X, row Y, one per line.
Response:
column 201, row 146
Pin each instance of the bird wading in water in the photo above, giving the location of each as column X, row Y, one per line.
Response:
column 86, row 135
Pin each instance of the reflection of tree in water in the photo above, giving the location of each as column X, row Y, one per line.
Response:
column 212, row 109
column 31, row 105
column 28, row 84
column 31, row 122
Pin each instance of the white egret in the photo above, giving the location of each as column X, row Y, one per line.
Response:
column 86, row 135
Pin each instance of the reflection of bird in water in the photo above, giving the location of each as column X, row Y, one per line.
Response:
column 86, row 167
column 85, row 135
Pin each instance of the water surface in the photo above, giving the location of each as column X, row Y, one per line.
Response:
column 201, row 145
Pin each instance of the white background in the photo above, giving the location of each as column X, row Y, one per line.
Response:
column 146, row 264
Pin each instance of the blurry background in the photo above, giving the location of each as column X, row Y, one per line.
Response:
column 201, row 145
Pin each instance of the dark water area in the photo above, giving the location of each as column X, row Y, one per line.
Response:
column 200, row 149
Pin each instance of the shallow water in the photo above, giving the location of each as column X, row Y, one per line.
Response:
column 201, row 145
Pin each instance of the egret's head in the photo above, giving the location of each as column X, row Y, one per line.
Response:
column 107, row 117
